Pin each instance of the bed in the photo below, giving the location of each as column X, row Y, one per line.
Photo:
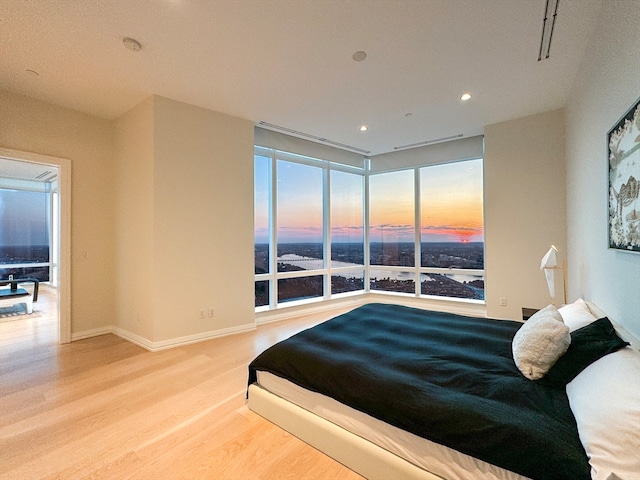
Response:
column 397, row 392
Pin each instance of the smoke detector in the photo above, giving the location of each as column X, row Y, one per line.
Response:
column 359, row 56
column 132, row 44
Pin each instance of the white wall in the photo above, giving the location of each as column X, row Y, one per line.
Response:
column 162, row 204
column 133, row 200
column 524, row 212
column 184, row 196
column 607, row 84
column 39, row 127
column 203, row 221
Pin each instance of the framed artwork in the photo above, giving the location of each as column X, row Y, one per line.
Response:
column 623, row 148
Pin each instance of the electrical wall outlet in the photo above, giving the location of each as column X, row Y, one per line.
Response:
column 503, row 301
column 203, row 312
column 211, row 312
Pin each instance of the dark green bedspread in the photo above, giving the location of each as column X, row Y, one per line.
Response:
column 448, row 378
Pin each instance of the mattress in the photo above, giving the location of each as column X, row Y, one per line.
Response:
column 430, row 456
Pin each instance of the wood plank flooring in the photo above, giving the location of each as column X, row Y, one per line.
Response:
column 103, row 408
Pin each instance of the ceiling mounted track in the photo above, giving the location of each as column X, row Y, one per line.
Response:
column 551, row 8
column 296, row 133
column 427, row 142
column 46, row 173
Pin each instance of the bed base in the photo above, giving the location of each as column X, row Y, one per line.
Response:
column 356, row 453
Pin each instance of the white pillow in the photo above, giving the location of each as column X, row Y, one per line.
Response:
column 576, row 315
column 605, row 400
column 539, row 343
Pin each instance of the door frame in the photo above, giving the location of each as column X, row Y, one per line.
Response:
column 64, row 200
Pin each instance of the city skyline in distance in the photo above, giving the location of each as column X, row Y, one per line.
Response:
column 460, row 255
column 461, row 258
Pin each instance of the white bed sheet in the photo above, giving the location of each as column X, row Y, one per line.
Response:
column 432, row 457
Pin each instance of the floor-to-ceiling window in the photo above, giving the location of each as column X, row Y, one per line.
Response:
column 309, row 242
column 347, row 232
column 300, row 230
column 26, row 229
column 426, row 231
column 262, row 226
column 451, row 230
column 423, row 235
column 392, row 232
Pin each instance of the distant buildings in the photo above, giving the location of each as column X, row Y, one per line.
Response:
column 469, row 256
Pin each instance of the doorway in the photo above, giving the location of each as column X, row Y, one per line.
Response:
column 29, row 170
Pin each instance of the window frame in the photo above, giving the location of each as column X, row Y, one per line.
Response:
column 273, row 276
column 49, row 189
column 416, row 271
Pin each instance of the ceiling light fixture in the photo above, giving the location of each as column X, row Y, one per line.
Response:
column 132, row 44
column 359, row 56
column 364, row 128
column 465, row 96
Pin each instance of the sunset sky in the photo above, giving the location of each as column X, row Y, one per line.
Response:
column 452, row 214
column 451, row 204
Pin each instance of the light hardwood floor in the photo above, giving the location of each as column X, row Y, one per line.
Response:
column 105, row 408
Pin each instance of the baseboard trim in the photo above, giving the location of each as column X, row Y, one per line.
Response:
column 288, row 312
column 94, row 332
column 163, row 344
column 132, row 337
column 180, row 341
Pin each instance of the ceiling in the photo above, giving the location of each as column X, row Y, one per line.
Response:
column 289, row 62
column 27, row 171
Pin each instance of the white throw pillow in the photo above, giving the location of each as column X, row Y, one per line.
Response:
column 539, row 343
column 605, row 401
column 576, row 315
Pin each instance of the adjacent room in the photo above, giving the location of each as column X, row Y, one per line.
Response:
column 320, row 239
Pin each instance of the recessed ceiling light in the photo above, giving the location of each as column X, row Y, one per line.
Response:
column 132, row 44
column 359, row 56
column 364, row 128
column 408, row 114
column 465, row 97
